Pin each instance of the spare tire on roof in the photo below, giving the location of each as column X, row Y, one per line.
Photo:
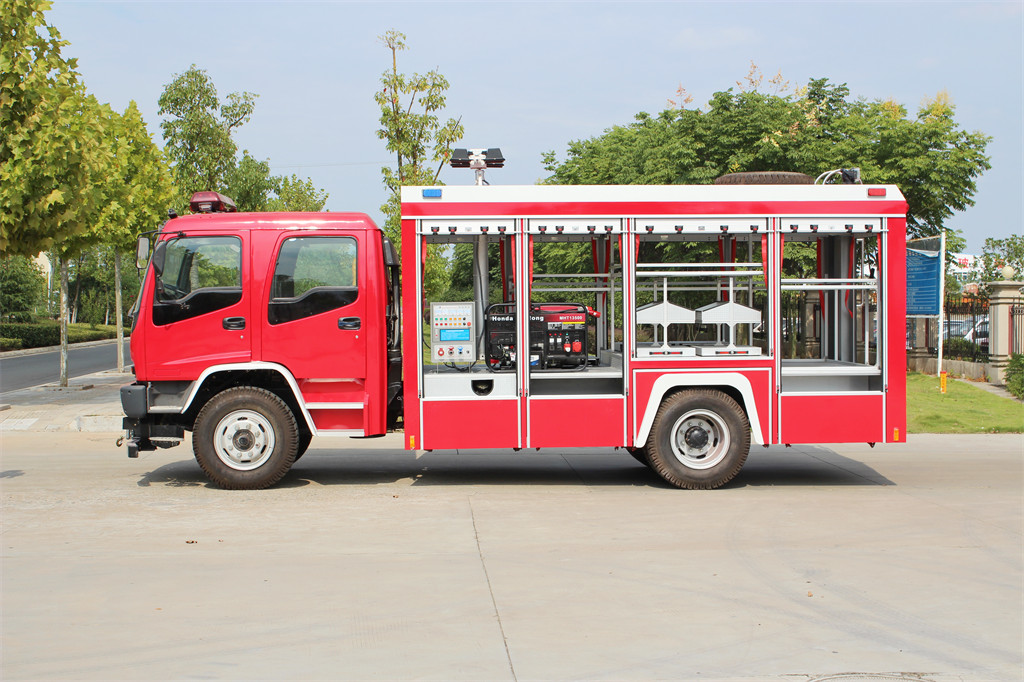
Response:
column 765, row 178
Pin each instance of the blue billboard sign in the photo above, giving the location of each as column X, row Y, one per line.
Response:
column 924, row 276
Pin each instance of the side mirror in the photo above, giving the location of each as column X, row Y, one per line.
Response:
column 141, row 252
column 390, row 255
column 159, row 254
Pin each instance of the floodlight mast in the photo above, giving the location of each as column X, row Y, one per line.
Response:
column 848, row 176
column 478, row 160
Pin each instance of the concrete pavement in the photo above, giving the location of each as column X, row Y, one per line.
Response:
column 368, row 562
column 90, row 403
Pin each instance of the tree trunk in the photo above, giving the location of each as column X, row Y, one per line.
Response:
column 78, row 289
column 117, row 310
column 63, row 321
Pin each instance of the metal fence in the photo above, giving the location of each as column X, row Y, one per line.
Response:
column 1017, row 326
column 964, row 328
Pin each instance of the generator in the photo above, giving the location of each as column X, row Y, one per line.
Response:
column 557, row 331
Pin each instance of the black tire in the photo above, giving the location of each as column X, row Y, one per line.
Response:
column 699, row 440
column 245, row 438
column 765, row 178
column 305, row 438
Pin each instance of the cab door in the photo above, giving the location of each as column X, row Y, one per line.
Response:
column 314, row 324
column 200, row 315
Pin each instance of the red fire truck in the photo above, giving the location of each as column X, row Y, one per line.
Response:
column 680, row 323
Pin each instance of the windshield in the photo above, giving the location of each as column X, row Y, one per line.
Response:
column 194, row 263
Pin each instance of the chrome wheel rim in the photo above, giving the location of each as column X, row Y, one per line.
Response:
column 700, row 439
column 244, row 440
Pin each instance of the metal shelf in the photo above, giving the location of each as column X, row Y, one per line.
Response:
column 801, row 367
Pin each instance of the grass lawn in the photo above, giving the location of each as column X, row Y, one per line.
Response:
column 962, row 409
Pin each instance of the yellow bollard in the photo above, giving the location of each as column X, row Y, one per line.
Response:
column 942, row 381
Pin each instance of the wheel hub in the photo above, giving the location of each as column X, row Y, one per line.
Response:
column 244, row 440
column 696, row 437
column 700, row 439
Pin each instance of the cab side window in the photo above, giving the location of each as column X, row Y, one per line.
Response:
column 313, row 275
column 200, row 275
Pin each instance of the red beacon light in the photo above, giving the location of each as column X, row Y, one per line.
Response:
column 211, row 202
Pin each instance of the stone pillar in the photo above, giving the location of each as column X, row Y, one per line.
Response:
column 918, row 357
column 1002, row 298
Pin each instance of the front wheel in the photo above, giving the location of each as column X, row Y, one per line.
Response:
column 245, row 438
column 305, row 438
column 699, row 440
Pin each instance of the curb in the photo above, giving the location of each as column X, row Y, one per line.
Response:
column 49, row 407
column 50, row 349
column 97, row 424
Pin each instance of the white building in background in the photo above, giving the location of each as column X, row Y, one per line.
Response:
column 43, row 261
column 961, row 266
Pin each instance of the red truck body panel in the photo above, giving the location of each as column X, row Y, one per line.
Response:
column 340, row 373
column 862, row 409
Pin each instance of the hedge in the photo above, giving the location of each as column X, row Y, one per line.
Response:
column 960, row 349
column 1015, row 375
column 40, row 334
column 9, row 344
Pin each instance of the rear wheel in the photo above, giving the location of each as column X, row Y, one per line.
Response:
column 699, row 440
column 245, row 438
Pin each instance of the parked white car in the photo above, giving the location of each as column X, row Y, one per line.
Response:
column 979, row 334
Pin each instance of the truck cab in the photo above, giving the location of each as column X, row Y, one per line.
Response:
column 258, row 332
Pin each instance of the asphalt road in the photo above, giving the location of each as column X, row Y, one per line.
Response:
column 24, row 371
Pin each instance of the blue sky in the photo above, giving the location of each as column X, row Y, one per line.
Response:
column 532, row 76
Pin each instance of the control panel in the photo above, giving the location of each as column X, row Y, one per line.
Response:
column 452, row 332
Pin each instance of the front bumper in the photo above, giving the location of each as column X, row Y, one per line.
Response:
column 143, row 430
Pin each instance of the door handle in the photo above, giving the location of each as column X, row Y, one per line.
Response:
column 233, row 323
column 349, row 323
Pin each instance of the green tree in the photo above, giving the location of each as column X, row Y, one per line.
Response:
column 52, row 158
column 137, row 200
column 250, row 184
column 253, row 188
column 91, row 285
column 83, row 217
column 197, row 131
column 412, row 130
column 998, row 253
column 295, row 194
column 197, row 134
column 22, row 286
column 809, row 130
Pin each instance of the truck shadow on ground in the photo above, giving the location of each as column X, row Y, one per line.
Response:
column 809, row 466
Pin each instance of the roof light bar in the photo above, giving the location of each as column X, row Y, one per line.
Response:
column 211, row 202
